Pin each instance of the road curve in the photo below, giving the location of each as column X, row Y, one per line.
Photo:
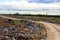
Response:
column 53, row 30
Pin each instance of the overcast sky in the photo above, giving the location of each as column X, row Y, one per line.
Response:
column 31, row 4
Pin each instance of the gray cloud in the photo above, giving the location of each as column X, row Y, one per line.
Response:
column 43, row 1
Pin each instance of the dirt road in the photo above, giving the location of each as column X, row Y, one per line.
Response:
column 53, row 30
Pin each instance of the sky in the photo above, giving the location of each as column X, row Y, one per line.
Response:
column 31, row 5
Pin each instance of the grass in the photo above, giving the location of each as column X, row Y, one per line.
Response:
column 46, row 18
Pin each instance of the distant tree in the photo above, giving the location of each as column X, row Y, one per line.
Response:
column 16, row 14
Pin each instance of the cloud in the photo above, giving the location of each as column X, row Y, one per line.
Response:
column 44, row 1
column 33, row 5
column 24, row 4
column 7, row 0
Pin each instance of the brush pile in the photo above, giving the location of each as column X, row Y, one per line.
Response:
column 21, row 30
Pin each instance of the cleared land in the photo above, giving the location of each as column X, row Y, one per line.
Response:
column 21, row 28
column 53, row 30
